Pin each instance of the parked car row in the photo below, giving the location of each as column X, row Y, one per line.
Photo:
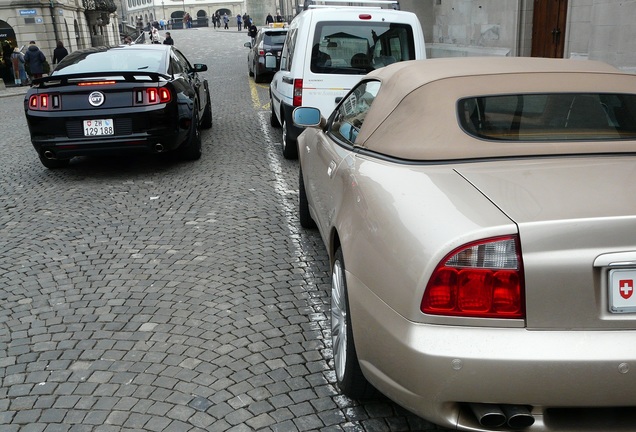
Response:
column 478, row 222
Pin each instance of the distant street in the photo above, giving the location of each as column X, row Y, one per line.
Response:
column 142, row 294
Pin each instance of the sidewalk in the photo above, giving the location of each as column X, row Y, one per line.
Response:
column 13, row 91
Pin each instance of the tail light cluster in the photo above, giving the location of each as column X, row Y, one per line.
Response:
column 298, row 92
column 45, row 102
column 261, row 50
column 482, row 279
column 152, row 96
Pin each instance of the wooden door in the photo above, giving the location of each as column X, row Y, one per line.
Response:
column 548, row 28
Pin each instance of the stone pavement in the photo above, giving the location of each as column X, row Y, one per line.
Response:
column 142, row 294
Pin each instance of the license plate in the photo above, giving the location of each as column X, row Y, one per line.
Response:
column 99, row 127
column 622, row 298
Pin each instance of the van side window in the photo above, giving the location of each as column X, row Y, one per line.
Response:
column 350, row 114
column 287, row 55
column 357, row 48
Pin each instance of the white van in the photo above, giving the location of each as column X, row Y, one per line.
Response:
column 329, row 47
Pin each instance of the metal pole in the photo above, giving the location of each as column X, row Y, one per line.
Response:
column 52, row 8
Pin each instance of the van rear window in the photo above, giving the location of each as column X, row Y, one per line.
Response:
column 358, row 48
column 550, row 117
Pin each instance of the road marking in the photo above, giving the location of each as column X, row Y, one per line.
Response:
column 256, row 100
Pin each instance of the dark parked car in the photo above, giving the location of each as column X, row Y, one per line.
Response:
column 114, row 100
column 264, row 57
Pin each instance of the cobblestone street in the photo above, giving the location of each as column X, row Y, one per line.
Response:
column 143, row 294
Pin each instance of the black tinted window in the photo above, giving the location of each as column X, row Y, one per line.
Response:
column 550, row 117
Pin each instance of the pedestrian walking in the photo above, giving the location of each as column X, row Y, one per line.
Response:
column 245, row 17
column 269, row 20
column 252, row 32
column 168, row 40
column 59, row 52
column 278, row 17
column 239, row 21
column 226, row 20
column 35, row 59
column 154, row 36
column 17, row 62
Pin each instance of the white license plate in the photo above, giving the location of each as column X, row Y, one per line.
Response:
column 622, row 298
column 99, row 127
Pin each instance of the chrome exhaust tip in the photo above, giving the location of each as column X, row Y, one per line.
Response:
column 518, row 416
column 488, row 415
column 159, row 147
column 49, row 154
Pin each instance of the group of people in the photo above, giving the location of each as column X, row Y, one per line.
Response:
column 32, row 61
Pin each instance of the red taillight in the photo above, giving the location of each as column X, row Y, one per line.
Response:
column 261, row 52
column 364, row 16
column 152, row 96
column 96, row 83
column 482, row 279
column 45, row 102
column 298, row 92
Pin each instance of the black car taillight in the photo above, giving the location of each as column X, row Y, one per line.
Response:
column 152, row 96
column 45, row 102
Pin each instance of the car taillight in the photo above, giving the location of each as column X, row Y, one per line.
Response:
column 298, row 92
column 45, row 102
column 261, row 49
column 482, row 279
column 152, row 96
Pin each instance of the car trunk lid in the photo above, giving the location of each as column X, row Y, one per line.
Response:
column 576, row 218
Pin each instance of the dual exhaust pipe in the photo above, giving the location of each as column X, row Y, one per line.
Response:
column 496, row 416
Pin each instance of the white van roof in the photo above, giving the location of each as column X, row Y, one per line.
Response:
column 314, row 4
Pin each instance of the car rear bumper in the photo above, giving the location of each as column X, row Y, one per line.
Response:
column 436, row 370
column 62, row 136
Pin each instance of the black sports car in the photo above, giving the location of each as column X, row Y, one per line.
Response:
column 113, row 100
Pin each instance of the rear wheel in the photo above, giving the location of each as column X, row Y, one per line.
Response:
column 348, row 373
column 303, row 205
column 258, row 78
column 54, row 163
column 290, row 147
column 191, row 149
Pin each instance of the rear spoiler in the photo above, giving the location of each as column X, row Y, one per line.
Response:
column 347, row 3
column 129, row 76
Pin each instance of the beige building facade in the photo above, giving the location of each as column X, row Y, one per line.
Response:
column 602, row 30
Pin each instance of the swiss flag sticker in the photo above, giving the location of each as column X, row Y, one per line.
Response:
column 626, row 288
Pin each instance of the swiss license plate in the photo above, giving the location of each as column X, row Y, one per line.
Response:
column 622, row 298
column 99, row 127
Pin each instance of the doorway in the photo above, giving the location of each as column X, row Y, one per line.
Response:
column 548, row 28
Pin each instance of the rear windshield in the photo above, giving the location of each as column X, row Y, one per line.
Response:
column 112, row 60
column 277, row 38
column 360, row 47
column 550, row 117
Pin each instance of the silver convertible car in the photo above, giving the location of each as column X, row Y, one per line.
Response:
column 480, row 219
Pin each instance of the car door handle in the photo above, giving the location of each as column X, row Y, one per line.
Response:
column 331, row 169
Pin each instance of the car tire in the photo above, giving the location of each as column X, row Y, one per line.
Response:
column 290, row 147
column 54, row 163
column 273, row 120
column 206, row 122
column 258, row 78
column 303, row 205
column 191, row 148
column 349, row 376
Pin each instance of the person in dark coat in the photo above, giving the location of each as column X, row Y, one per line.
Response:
column 168, row 39
column 35, row 59
column 269, row 20
column 59, row 52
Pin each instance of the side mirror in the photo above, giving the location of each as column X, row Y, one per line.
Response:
column 247, row 44
column 308, row 117
column 199, row 67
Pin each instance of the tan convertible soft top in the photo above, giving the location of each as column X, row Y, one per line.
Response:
column 414, row 116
